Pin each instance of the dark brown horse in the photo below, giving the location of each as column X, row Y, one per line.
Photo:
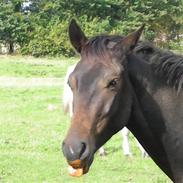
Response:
column 122, row 82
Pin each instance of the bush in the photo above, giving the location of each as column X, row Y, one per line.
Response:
column 51, row 40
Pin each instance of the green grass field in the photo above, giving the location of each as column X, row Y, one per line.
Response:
column 33, row 67
column 31, row 134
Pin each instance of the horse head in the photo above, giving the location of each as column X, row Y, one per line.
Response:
column 102, row 98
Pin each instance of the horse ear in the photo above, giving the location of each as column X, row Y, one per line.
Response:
column 76, row 36
column 130, row 41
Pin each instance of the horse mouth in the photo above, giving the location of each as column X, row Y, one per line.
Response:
column 78, row 168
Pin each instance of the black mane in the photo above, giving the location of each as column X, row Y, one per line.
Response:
column 166, row 64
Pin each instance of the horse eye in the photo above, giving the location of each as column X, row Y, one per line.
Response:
column 112, row 83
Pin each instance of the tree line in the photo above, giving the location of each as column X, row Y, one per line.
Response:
column 39, row 27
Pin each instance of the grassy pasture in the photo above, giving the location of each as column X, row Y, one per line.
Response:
column 33, row 67
column 32, row 126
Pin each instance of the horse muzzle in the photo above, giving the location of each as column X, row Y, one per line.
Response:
column 78, row 157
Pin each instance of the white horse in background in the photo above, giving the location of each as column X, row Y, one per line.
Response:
column 68, row 105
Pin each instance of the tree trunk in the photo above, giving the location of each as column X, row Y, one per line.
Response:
column 11, row 47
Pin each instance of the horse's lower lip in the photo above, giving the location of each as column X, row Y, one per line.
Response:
column 77, row 168
column 81, row 164
column 77, row 172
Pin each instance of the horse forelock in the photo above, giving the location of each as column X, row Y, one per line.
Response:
column 97, row 48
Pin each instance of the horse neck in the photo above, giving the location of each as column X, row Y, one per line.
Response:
column 138, row 125
column 142, row 84
column 140, row 71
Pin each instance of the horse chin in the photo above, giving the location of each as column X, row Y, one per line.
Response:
column 79, row 167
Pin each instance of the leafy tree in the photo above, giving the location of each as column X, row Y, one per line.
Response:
column 13, row 24
column 39, row 27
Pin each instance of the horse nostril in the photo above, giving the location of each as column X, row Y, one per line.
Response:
column 62, row 147
column 83, row 148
